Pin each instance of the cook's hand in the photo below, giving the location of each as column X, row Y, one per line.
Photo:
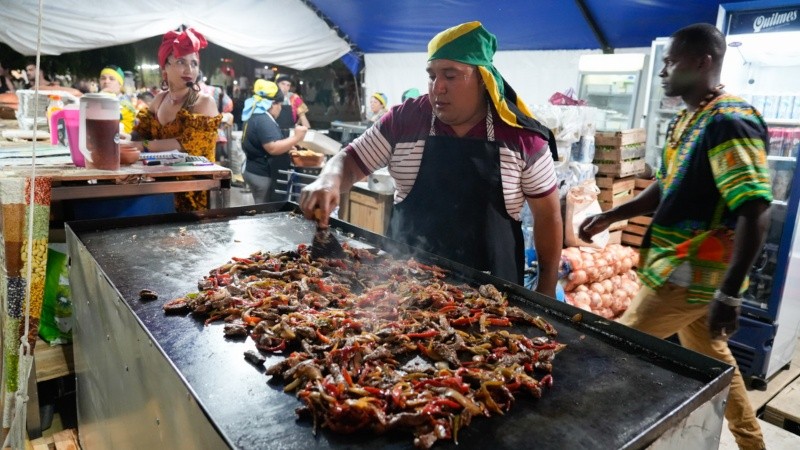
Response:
column 300, row 132
column 322, row 195
column 593, row 225
column 723, row 320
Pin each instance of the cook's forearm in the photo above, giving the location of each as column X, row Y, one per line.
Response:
column 548, row 237
column 343, row 170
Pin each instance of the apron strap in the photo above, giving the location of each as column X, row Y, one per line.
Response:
column 489, row 124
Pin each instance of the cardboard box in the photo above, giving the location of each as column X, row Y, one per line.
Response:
column 319, row 142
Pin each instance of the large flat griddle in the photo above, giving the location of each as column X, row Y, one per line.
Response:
column 614, row 387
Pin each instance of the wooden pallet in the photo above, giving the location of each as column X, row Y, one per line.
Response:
column 784, row 409
column 634, row 232
column 53, row 361
column 63, row 440
column 615, row 237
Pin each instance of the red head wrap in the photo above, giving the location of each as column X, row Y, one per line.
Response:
column 180, row 44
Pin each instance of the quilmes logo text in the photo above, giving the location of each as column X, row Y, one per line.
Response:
column 762, row 22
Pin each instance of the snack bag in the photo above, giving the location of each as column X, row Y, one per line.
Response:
column 56, row 321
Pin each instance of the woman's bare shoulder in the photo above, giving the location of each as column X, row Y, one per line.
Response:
column 205, row 105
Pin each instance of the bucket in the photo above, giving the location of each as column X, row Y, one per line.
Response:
column 66, row 123
column 99, row 131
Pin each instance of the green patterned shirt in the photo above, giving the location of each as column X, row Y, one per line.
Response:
column 719, row 163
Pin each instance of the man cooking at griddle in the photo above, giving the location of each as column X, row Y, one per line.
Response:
column 464, row 158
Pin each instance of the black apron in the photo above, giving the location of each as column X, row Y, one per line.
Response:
column 281, row 162
column 456, row 208
column 285, row 119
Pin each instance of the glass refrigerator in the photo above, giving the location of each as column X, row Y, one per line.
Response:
column 611, row 84
column 761, row 68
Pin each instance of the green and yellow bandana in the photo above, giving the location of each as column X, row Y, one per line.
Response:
column 470, row 43
column 116, row 72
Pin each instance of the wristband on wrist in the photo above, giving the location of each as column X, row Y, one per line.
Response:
column 727, row 299
column 146, row 145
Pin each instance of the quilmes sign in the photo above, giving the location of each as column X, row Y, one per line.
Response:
column 765, row 21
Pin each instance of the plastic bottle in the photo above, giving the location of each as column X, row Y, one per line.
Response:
column 55, row 105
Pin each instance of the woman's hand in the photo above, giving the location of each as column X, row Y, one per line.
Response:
column 300, row 132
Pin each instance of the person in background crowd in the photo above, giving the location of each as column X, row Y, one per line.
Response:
column 294, row 109
column 263, row 142
column 409, row 93
column 377, row 105
column 6, row 83
column 224, row 106
column 711, row 215
column 143, row 101
column 223, row 101
column 464, row 159
column 111, row 80
column 30, row 71
column 180, row 117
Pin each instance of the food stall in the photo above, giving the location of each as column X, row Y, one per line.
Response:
column 150, row 380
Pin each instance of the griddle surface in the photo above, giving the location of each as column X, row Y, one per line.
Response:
column 608, row 391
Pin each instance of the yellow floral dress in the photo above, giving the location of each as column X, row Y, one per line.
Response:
column 197, row 135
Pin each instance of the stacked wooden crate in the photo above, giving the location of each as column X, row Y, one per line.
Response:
column 619, row 156
column 634, row 231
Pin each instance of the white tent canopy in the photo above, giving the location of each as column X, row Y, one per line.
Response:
column 284, row 32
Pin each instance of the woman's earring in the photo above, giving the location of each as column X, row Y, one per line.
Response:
column 164, row 85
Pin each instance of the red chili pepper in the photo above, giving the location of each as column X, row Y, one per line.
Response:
column 448, row 403
column 278, row 348
column 423, row 335
column 323, row 338
column 223, row 279
column 460, row 322
column 547, row 380
column 513, row 387
column 248, row 319
column 373, row 390
column 346, row 376
column 499, row 322
column 528, row 367
column 500, row 351
column 447, row 309
column 397, row 396
column 350, row 323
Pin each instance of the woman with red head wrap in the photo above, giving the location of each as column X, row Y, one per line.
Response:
column 180, row 116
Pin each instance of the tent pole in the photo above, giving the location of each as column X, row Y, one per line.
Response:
column 598, row 33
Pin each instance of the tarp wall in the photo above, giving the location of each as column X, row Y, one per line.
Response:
column 284, row 32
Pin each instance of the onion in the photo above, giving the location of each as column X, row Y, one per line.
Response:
column 596, row 301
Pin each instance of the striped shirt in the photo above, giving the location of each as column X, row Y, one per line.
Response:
column 398, row 140
column 718, row 165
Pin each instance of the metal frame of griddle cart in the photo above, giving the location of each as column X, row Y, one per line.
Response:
column 146, row 380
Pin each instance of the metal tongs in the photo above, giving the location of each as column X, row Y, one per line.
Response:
column 325, row 244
